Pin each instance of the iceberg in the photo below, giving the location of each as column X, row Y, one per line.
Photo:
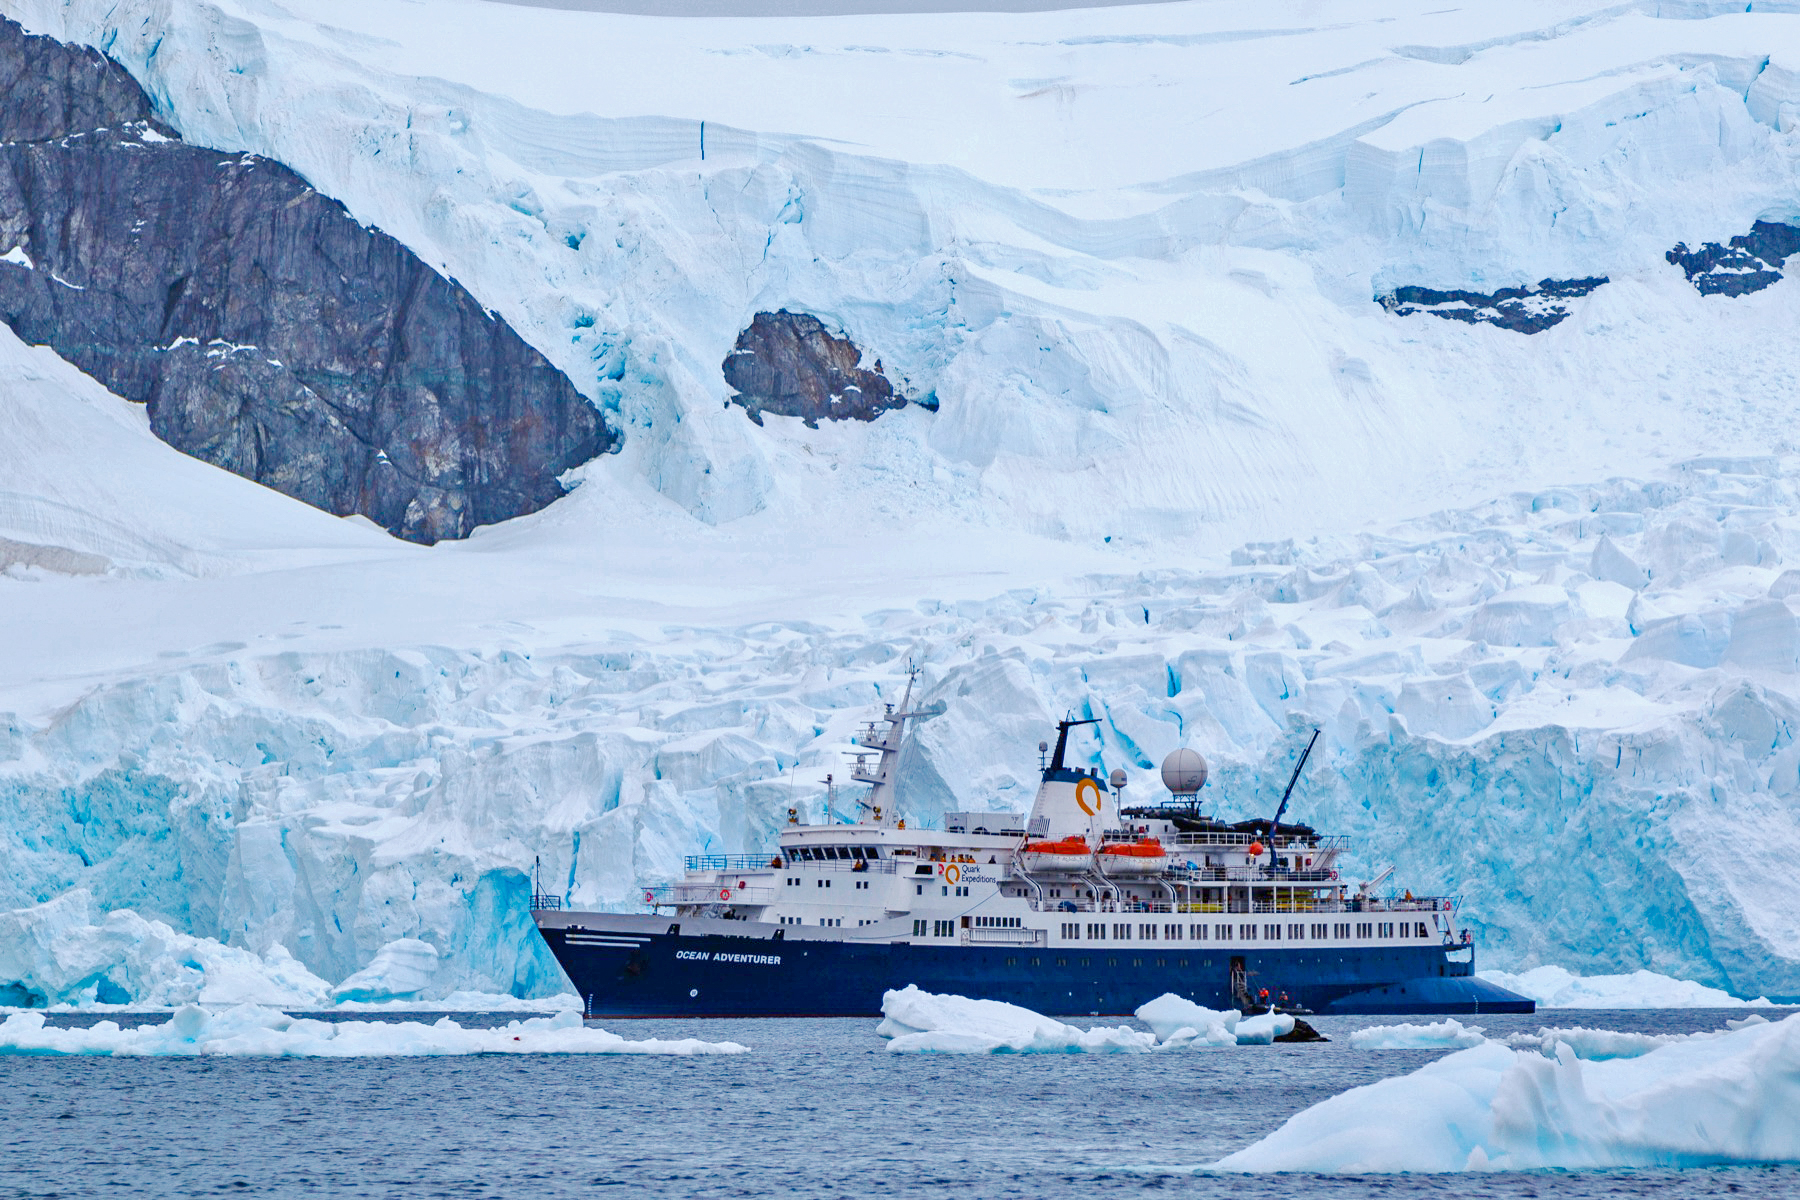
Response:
column 252, row 1031
column 917, row 1022
column 63, row 952
column 1730, row 1097
column 1263, row 1029
column 401, row 970
column 1440, row 1035
column 1558, row 987
column 1178, row 1021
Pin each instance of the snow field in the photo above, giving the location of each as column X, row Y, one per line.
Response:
column 251, row 1031
column 1131, row 250
column 1557, row 987
column 1730, row 1097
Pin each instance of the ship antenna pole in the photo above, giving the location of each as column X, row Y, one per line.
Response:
column 1273, row 825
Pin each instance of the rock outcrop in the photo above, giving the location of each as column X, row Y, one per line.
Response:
column 1532, row 308
column 265, row 329
column 1748, row 263
column 787, row 363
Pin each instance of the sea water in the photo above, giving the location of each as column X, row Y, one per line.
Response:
column 819, row 1109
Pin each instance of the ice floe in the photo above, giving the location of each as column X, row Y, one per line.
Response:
column 917, row 1022
column 1441, row 1035
column 254, row 1031
column 1730, row 1097
column 1558, row 987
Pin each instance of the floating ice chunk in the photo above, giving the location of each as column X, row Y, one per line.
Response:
column 1556, row 987
column 1442, row 1035
column 924, row 1023
column 61, row 952
column 1168, row 1015
column 401, row 969
column 252, row 1031
column 1262, row 1030
column 1596, row 1044
column 1718, row 1098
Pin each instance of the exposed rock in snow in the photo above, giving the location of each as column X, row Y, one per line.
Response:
column 248, row 1031
column 267, row 332
column 1723, row 1098
column 1748, row 263
column 789, row 364
column 1531, row 308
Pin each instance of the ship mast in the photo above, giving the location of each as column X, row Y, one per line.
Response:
column 880, row 804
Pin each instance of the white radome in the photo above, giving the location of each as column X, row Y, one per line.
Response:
column 1184, row 772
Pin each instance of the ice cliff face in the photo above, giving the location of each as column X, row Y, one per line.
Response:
column 1136, row 255
column 265, row 331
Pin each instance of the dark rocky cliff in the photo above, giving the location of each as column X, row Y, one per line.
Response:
column 267, row 332
column 788, row 363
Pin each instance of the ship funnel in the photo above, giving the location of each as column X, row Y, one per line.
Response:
column 1184, row 774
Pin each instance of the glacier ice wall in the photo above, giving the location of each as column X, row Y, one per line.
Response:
column 1575, row 708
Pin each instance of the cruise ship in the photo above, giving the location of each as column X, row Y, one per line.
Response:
column 1087, row 906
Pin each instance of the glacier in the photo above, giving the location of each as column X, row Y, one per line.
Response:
column 1186, row 476
column 1730, row 1097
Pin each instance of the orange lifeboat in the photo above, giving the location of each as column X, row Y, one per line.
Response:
column 1069, row 854
column 1145, row 856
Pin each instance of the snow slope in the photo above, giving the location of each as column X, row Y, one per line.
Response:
column 1532, row 587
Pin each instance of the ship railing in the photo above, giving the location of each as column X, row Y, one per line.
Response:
column 1006, row 937
column 1236, row 840
column 695, row 893
column 540, row 902
column 862, row 866
column 728, row 862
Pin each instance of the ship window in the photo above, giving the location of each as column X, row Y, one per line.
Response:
column 871, row 851
column 1198, row 932
column 1181, row 962
column 918, row 929
column 1122, row 933
column 1012, row 961
column 1162, row 962
column 1137, row 962
column 1096, row 933
column 1318, row 932
column 919, row 888
column 1112, row 962
column 1247, row 932
column 856, row 852
column 1223, row 932
column 1063, row 962
column 1296, row 932
column 1036, row 961
column 1171, row 933
column 1271, row 933
column 1147, row 933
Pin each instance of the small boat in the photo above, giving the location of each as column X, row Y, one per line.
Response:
column 1069, row 854
column 1145, row 856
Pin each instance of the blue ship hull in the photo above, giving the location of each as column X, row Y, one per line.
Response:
column 625, row 966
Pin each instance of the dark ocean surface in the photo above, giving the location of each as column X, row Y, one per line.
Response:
column 818, row 1110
